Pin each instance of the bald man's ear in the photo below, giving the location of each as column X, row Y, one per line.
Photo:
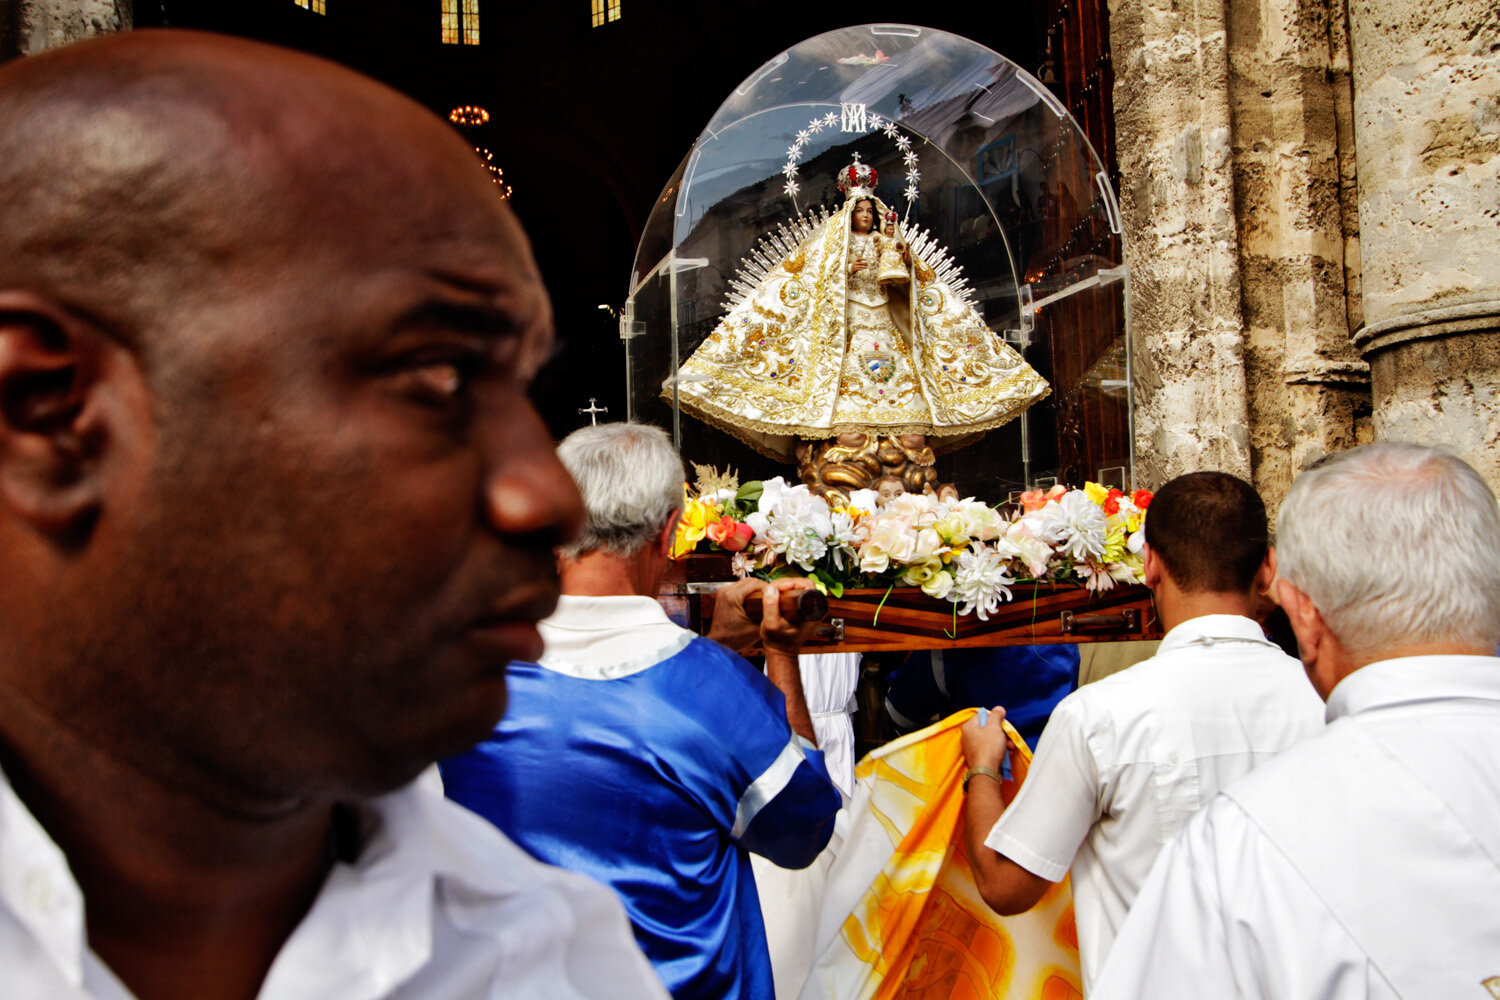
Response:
column 49, row 421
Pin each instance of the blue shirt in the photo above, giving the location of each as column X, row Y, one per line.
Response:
column 1028, row 681
column 655, row 777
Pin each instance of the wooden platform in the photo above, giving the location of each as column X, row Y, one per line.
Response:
column 905, row 618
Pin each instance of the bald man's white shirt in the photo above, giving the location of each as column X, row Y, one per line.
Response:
column 438, row 906
column 1362, row 864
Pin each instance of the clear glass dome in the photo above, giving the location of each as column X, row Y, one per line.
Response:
column 990, row 175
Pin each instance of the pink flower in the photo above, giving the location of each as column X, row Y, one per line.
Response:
column 1035, row 499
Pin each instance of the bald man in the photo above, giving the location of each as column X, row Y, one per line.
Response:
column 274, row 516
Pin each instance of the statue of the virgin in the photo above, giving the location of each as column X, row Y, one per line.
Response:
column 854, row 333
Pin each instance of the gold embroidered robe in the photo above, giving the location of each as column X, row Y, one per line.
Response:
column 813, row 352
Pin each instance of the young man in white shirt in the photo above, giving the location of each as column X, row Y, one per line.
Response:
column 1125, row 761
column 1362, row 863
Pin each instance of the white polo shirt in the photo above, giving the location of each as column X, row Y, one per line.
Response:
column 1124, row 762
column 1364, row 864
column 438, row 906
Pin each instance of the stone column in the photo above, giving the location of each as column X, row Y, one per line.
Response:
column 1172, row 114
column 1427, row 136
column 33, row 25
column 1296, row 207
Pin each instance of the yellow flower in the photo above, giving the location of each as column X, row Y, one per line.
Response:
column 696, row 517
column 930, row 576
column 1114, row 546
column 952, row 529
column 1096, row 493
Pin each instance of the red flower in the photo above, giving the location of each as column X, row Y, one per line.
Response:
column 1141, row 498
column 729, row 534
column 1112, row 501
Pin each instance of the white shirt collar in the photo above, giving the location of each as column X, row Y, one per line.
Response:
column 607, row 638
column 605, row 614
column 369, row 930
column 1407, row 680
column 1205, row 629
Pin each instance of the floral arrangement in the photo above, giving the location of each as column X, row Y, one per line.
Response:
column 962, row 551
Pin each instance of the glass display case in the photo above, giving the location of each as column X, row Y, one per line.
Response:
column 998, row 193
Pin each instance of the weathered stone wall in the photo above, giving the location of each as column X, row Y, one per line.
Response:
column 1295, row 203
column 1173, row 132
column 1294, row 171
column 1427, row 106
column 33, row 25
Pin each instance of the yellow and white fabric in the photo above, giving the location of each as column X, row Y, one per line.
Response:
column 898, row 913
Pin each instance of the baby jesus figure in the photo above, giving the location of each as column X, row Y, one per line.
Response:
column 891, row 266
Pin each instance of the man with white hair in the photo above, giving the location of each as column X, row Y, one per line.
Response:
column 647, row 756
column 1362, row 862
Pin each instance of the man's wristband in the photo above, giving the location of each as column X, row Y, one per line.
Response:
column 988, row 772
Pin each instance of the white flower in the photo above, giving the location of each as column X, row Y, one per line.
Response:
column 1075, row 524
column 866, row 500
column 892, row 540
column 928, row 545
column 1034, row 551
column 799, row 543
column 794, row 522
column 910, row 158
column 792, row 187
column 790, row 170
column 980, row 580
column 916, row 509
column 1097, row 580
column 980, row 520
column 1123, row 572
column 843, row 539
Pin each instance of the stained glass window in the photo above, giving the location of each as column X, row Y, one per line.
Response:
column 460, row 22
column 605, row 10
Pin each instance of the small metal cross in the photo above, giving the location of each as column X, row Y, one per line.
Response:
column 593, row 410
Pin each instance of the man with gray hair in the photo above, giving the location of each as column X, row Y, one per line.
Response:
column 1363, row 861
column 645, row 755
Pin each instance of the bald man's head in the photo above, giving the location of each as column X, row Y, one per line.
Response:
column 135, row 169
column 274, row 507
